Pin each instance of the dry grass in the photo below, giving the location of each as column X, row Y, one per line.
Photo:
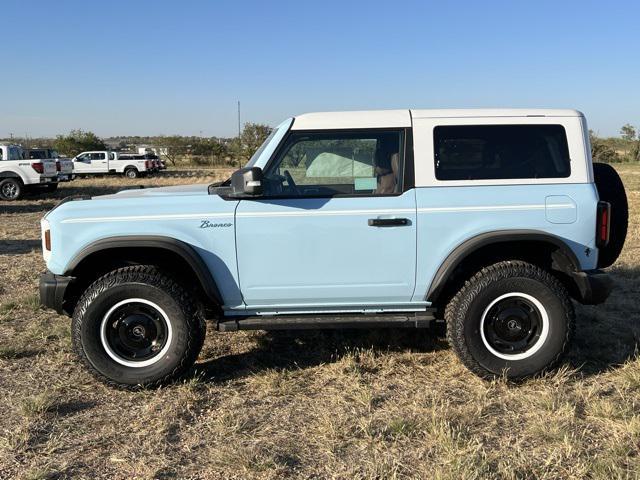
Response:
column 353, row 405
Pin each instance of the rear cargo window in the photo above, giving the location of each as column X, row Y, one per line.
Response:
column 496, row 152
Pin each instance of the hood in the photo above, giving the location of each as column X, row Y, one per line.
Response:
column 140, row 205
column 178, row 190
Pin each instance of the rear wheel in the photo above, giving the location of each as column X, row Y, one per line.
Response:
column 611, row 189
column 131, row 173
column 136, row 327
column 511, row 319
column 11, row 189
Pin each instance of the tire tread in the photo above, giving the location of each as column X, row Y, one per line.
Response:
column 150, row 275
column 455, row 318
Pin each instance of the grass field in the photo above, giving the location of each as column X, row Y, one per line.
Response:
column 352, row 405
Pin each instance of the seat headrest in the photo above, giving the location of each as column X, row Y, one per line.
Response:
column 395, row 164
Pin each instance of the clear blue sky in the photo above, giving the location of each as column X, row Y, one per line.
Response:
column 159, row 67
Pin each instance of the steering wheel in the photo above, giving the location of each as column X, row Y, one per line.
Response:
column 292, row 184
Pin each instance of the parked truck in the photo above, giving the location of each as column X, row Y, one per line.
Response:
column 18, row 173
column 64, row 165
column 108, row 162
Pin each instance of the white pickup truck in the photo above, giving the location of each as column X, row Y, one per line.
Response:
column 64, row 165
column 18, row 173
column 107, row 162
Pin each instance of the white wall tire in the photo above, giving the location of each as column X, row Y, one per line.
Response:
column 120, row 300
column 540, row 339
column 516, row 353
column 112, row 351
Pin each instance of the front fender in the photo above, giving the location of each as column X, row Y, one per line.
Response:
column 184, row 250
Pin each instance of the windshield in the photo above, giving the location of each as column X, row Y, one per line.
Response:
column 269, row 145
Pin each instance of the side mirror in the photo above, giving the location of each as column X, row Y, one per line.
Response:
column 247, row 181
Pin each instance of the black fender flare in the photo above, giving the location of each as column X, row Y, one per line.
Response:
column 567, row 262
column 182, row 249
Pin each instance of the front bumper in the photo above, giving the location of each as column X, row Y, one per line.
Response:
column 594, row 286
column 52, row 290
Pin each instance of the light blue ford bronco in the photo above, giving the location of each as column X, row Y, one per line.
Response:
column 491, row 220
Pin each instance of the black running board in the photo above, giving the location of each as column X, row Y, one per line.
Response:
column 298, row 322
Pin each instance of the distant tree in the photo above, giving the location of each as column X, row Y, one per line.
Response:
column 175, row 145
column 601, row 151
column 635, row 151
column 78, row 141
column 628, row 132
column 252, row 136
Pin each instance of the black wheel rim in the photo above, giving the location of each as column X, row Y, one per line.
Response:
column 512, row 325
column 136, row 332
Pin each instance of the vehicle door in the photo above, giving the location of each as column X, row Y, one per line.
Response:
column 336, row 225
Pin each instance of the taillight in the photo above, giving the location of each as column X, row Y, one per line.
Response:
column 146, row 164
column 603, row 222
column 58, row 168
column 38, row 167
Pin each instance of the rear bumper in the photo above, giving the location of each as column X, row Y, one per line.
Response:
column 594, row 286
column 49, row 179
column 52, row 290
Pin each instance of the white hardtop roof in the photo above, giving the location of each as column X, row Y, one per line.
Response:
column 402, row 118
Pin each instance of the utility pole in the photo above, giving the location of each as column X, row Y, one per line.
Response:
column 239, row 130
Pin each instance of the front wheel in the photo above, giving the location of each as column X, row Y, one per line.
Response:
column 136, row 327
column 512, row 319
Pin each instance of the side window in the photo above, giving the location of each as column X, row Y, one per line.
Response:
column 496, row 152
column 111, row 156
column 83, row 158
column 325, row 164
column 15, row 154
column 1, row 154
column 97, row 156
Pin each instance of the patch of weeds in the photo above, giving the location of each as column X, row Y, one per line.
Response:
column 37, row 405
column 8, row 307
column 401, row 427
column 12, row 352
column 40, row 473
column 32, row 302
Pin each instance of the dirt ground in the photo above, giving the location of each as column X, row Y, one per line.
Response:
column 352, row 405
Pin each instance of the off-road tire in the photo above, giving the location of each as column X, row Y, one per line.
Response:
column 131, row 173
column 11, row 189
column 141, row 282
column 611, row 189
column 464, row 314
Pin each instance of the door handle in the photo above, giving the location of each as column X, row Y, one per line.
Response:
column 388, row 222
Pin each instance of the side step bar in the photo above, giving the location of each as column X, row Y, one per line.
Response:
column 298, row 322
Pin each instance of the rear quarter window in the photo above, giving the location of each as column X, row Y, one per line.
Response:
column 499, row 152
